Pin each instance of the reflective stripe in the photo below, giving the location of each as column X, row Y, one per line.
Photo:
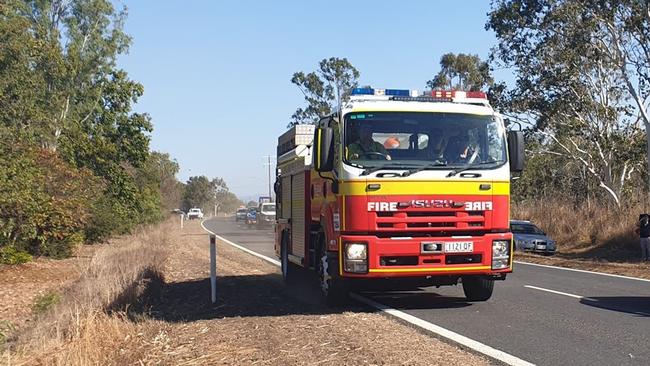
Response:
column 450, row 269
column 424, row 187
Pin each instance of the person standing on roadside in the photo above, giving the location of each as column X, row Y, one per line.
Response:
column 643, row 230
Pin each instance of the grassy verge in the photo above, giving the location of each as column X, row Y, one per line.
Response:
column 591, row 236
column 587, row 232
column 82, row 324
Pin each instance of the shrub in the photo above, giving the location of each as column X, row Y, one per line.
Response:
column 44, row 302
column 9, row 255
column 43, row 201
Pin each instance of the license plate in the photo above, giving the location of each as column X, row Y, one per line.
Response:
column 459, row 247
column 542, row 246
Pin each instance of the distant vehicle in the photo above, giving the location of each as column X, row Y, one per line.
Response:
column 240, row 215
column 194, row 213
column 529, row 237
column 251, row 216
column 266, row 215
column 264, row 199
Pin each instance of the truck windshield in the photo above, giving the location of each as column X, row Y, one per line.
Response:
column 434, row 140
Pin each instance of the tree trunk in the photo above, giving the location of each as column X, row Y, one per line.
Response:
column 647, row 139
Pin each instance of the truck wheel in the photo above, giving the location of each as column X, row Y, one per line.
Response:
column 333, row 288
column 287, row 267
column 477, row 288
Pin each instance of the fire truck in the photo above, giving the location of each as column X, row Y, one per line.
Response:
column 401, row 187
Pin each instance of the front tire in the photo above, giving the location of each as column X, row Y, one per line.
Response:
column 477, row 288
column 334, row 288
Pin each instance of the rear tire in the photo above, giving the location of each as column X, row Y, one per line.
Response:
column 477, row 288
column 334, row 289
column 287, row 267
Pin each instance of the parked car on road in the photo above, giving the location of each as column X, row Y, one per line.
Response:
column 240, row 215
column 529, row 237
column 266, row 214
column 194, row 213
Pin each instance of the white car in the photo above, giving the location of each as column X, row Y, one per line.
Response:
column 194, row 213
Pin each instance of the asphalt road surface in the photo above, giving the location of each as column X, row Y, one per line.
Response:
column 545, row 316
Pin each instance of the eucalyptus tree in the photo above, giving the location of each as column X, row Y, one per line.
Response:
column 324, row 89
column 582, row 79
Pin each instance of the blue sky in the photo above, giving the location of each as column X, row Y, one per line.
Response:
column 216, row 73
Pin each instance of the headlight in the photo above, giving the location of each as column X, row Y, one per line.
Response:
column 356, row 258
column 500, row 247
column 500, row 254
column 355, row 251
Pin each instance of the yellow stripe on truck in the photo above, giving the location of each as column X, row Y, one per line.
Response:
column 421, row 188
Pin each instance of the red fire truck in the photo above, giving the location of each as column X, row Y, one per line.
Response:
column 399, row 186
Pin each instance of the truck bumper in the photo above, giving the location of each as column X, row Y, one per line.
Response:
column 404, row 257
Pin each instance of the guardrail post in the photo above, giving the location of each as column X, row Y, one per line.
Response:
column 182, row 218
column 213, row 267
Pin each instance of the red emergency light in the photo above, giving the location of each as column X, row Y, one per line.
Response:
column 458, row 94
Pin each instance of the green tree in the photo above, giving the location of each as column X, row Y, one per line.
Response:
column 585, row 88
column 44, row 202
column 226, row 200
column 324, row 89
column 462, row 72
column 61, row 91
column 199, row 192
column 165, row 169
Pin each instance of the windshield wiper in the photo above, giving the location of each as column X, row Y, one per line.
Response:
column 468, row 167
column 373, row 169
column 432, row 165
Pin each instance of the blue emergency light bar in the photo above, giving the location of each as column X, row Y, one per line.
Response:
column 389, row 92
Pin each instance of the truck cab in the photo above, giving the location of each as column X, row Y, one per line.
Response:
column 403, row 185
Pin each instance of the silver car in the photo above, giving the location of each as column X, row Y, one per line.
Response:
column 531, row 238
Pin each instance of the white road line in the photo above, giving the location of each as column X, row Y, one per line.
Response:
column 561, row 293
column 443, row 332
column 420, row 323
column 583, row 271
column 577, row 297
column 271, row 260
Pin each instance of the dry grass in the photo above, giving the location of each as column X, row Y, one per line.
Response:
column 258, row 319
column 590, row 231
column 78, row 329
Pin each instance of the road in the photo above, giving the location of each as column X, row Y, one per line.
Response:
column 546, row 316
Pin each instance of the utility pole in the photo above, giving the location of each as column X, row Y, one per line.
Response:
column 269, row 164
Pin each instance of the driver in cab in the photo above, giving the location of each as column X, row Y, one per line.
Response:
column 367, row 148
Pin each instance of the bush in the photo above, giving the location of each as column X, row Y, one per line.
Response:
column 43, row 201
column 44, row 302
column 9, row 255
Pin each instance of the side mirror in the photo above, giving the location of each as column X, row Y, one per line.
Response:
column 516, row 150
column 324, row 149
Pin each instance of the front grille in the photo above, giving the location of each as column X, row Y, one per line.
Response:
column 462, row 258
column 399, row 261
column 431, row 220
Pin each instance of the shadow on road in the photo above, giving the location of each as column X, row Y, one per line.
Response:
column 412, row 300
column 636, row 305
column 267, row 295
column 238, row 296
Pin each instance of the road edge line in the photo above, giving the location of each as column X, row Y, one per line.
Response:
column 467, row 342
column 462, row 340
column 270, row 260
column 584, row 271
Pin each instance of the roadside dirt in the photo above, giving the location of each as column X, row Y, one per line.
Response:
column 641, row 270
column 258, row 320
column 21, row 285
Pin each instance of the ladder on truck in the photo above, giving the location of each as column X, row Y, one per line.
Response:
column 294, row 161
